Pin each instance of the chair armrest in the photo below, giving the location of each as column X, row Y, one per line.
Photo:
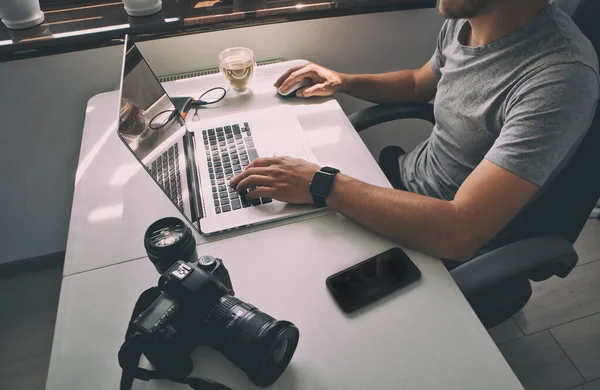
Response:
column 382, row 113
column 534, row 258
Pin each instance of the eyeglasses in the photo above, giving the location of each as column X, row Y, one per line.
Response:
column 215, row 98
column 163, row 118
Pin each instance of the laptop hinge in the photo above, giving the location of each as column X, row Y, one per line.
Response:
column 193, row 178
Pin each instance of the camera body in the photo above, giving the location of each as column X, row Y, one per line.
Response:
column 188, row 289
column 196, row 305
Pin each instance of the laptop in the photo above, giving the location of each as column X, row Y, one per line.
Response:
column 193, row 162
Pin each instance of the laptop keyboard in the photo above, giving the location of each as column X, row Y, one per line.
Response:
column 165, row 169
column 229, row 150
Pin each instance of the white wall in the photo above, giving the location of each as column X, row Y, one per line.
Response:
column 42, row 108
column 43, row 100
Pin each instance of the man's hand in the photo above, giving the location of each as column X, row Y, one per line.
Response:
column 325, row 82
column 402, row 86
column 283, row 178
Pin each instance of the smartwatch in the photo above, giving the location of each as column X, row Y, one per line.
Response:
column 321, row 184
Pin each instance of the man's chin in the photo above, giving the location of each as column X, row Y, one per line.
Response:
column 457, row 11
column 446, row 12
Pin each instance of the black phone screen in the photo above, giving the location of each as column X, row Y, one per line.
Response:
column 372, row 279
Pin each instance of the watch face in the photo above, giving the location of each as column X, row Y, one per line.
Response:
column 321, row 183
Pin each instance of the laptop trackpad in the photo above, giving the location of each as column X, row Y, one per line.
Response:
column 285, row 138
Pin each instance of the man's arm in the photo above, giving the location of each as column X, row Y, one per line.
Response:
column 487, row 200
column 402, row 86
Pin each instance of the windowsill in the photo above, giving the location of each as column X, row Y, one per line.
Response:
column 84, row 25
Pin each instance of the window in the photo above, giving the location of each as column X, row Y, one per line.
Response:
column 73, row 3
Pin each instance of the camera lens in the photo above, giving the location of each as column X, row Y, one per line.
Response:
column 167, row 241
column 254, row 341
column 278, row 352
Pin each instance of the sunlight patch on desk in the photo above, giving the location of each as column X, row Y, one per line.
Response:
column 87, row 160
column 124, row 173
column 105, row 213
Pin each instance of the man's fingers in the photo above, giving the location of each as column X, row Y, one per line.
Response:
column 249, row 171
column 295, row 77
column 254, row 181
column 284, row 76
column 261, row 192
column 313, row 90
column 301, row 93
column 263, row 162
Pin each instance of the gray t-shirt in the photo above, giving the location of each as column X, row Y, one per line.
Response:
column 523, row 102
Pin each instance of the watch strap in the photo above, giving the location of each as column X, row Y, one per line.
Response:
column 318, row 199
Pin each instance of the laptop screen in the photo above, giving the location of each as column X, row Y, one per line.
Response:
column 147, row 116
column 153, row 129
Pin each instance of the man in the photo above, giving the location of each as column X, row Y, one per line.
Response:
column 516, row 86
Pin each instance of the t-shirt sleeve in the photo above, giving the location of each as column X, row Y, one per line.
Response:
column 438, row 60
column 545, row 121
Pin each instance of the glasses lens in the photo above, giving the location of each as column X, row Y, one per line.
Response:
column 213, row 95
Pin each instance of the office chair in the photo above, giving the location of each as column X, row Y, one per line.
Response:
column 497, row 283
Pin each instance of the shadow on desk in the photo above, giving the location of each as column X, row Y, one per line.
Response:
column 221, row 367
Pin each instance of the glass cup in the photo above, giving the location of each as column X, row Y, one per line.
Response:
column 21, row 14
column 237, row 65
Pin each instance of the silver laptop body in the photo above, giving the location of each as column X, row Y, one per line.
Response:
column 192, row 163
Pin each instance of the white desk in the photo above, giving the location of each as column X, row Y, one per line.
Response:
column 424, row 337
column 115, row 200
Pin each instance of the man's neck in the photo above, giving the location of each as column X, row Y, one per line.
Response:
column 503, row 19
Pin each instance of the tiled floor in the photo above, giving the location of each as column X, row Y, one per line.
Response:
column 553, row 344
column 29, row 303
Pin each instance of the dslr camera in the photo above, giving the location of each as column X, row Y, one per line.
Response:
column 194, row 304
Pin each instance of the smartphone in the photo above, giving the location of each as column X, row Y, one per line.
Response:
column 372, row 279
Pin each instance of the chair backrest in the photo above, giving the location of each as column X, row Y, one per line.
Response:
column 568, row 6
column 564, row 208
